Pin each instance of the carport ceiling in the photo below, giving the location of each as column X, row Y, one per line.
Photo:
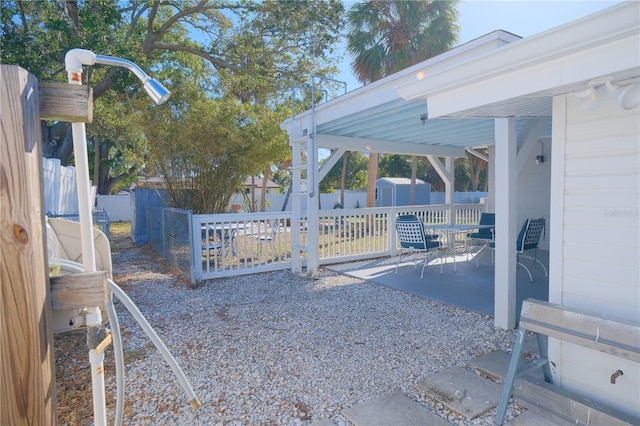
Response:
column 406, row 122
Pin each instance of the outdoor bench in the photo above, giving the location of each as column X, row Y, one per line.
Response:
column 614, row 337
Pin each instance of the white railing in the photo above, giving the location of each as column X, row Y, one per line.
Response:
column 242, row 243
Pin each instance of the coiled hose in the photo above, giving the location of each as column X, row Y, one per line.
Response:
column 112, row 315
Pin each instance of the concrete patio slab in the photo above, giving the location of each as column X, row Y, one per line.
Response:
column 471, row 288
column 462, row 391
column 493, row 364
column 394, row 409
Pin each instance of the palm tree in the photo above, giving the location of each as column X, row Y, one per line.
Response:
column 388, row 36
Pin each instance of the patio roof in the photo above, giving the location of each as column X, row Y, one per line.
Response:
column 448, row 103
column 375, row 117
column 401, row 126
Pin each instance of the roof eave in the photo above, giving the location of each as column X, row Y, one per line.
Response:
column 570, row 47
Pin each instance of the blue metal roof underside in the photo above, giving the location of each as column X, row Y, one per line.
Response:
column 401, row 121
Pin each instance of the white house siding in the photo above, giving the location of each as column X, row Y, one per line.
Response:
column 599, row 147
column 534, row 182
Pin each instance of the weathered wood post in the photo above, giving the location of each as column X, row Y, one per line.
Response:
column 27, row 378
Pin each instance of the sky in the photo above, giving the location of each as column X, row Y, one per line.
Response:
column 523, row 18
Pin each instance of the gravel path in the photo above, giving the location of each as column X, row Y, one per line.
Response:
column 277, row 348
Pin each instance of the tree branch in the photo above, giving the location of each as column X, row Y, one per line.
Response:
column 71, row 6
column 23, row 18
column 216, row 62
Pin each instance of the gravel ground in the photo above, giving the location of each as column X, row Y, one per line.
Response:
column 272, row 348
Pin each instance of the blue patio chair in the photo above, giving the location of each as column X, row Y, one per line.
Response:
column 483, row 236
column 414, row 239
column 528, row 240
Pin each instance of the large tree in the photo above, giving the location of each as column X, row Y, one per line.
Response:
column 251, row 49
column 387, row 36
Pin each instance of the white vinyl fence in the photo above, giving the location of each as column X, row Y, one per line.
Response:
column 223, row 245
column 60, row 192
column 352, row 200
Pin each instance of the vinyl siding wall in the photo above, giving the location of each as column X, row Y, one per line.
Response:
column 599, row 233
column 534, row 181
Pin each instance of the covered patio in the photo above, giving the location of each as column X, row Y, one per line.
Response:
column 498, row 92
column 382, row 117
column 470, row 287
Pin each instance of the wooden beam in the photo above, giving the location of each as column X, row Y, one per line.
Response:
column 326, row 167
column 76, row 291
column 66, row 102
column 386, row 147
column 27, row 377
column 588, row 329
column 564, row 406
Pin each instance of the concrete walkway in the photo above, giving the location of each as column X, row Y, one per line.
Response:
column 462, row 390
column 470, row 391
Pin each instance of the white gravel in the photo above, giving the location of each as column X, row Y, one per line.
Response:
column 281, row 349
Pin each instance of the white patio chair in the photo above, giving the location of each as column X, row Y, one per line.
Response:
column 414, row 239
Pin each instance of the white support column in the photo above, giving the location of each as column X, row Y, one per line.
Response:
column 506, row 228
column 450, row 189
column 556, row 210
column 296, row 206
column 491, row 180
column 313, row 213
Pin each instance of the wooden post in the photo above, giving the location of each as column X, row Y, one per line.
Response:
column 27, row 379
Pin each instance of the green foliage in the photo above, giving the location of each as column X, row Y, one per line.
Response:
column 396, row 166
column 251, row 51
column 207, row 151
column 356, row 176
column 387, row 36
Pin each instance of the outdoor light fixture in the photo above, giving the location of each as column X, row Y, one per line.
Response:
column 424, row 118
column 540, row 158
column 586, row 95
column 627, row 96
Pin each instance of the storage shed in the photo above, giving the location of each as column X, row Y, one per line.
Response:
column 396, row 192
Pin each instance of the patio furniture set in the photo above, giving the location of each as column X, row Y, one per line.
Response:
column 429, row 241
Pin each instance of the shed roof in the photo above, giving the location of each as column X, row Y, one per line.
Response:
column 400, row 180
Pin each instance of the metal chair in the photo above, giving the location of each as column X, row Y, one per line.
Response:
column 212, row 247
column 269, row 237
column 483, row 236
column 528, row 239
column 414, row 239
